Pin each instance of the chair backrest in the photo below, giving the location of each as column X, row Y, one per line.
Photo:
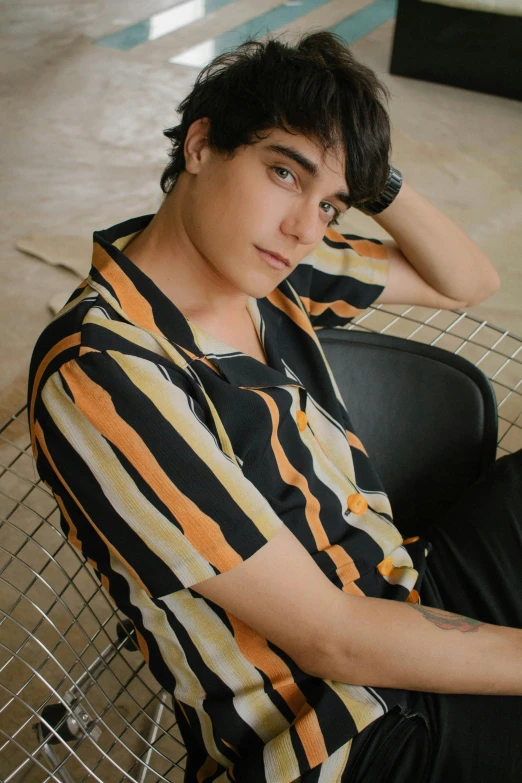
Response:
column 427, row 418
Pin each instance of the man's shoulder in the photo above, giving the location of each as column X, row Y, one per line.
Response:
column 89, row 326
column 62, row 336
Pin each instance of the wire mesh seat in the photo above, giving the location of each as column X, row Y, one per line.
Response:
column 77, row 701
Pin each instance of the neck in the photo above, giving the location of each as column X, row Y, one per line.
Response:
column 165, row 252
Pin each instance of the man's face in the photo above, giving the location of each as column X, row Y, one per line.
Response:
column 275, row 196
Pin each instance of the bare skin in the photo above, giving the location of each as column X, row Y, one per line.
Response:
column 202, row 248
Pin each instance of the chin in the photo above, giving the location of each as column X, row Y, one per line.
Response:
column 264, row 285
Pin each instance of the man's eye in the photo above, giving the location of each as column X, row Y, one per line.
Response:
column 335, row 218
column 279, row 169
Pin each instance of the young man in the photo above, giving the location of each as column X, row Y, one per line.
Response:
column 186, row 420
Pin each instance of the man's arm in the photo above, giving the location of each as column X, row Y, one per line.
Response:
column 282, row 594
column 433, row 263
column 401, row 645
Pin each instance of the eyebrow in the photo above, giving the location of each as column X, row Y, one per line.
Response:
column 307, row 164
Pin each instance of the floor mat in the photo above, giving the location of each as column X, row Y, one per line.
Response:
column 74, row 253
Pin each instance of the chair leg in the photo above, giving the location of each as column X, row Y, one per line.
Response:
column 56, row 770
column 152, row 737
column 69, row 720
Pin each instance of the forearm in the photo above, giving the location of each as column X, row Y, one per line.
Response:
column 398, row 645
column 444, row 256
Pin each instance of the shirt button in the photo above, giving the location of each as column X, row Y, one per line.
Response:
column 302, row 420
column 357, row 503
column 386, row 567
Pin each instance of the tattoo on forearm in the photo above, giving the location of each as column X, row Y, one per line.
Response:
column 446, row 620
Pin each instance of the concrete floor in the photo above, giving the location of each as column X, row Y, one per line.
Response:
column 83, row 147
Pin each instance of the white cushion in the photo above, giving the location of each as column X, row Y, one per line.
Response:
column 508, row 7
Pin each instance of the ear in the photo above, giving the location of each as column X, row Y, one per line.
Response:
column 196, row 148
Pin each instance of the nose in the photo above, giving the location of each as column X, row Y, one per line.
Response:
column 304, row 223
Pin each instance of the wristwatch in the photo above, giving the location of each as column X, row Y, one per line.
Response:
column 390, row 192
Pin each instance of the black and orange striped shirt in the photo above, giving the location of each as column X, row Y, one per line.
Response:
column 174, row 457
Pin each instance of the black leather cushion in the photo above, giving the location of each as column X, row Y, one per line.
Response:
column 427, row 418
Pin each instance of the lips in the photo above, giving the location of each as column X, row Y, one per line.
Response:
column 275, row 255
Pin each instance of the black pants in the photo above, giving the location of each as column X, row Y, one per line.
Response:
column 474, row 569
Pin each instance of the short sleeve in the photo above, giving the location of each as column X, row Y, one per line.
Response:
column 342, row 277
column 147, row 489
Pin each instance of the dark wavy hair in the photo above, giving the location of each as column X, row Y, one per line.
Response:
column 315, row 88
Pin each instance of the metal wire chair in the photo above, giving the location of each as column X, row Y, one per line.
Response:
column 77, row 701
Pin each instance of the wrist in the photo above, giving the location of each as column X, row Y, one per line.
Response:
column 389, row 193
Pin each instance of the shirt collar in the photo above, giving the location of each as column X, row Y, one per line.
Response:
column 139, row 300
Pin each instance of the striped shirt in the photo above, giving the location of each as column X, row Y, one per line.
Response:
column 174, row 457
